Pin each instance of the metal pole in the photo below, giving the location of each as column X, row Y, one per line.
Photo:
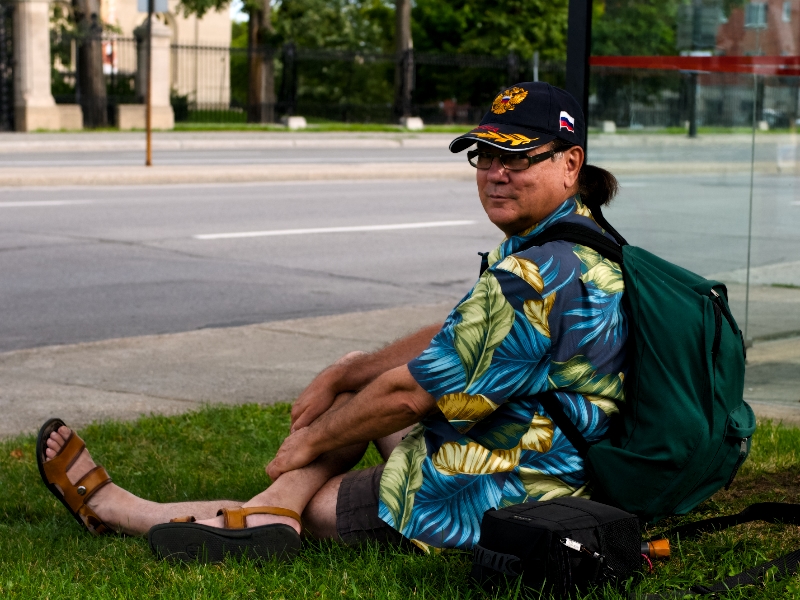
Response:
column 536, row 66
column 750, row 215
column 579, row 47
column 149, row 94
column 692, row 105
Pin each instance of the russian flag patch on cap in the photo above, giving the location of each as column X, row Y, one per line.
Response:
column 566, row 121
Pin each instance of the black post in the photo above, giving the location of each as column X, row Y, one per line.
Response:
column 579, row 47
column 6, row 101
column 513, row 67
column 289, row 79
column 692, row 105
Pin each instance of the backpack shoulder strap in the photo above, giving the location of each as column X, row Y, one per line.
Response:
column 556, row 411
column 569, row 232
column 577, row 234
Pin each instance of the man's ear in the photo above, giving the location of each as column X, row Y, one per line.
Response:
column 573, row 161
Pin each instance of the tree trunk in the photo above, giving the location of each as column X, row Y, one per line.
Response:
column 261, row 68
column 404, row 65
column 91, row 82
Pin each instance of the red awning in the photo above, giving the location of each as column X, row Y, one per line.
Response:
column 761, row 65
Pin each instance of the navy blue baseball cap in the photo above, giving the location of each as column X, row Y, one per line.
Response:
column 526, row 116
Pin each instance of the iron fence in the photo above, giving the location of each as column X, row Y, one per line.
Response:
column 6, row 68
column 119, row 67
column 211, row 84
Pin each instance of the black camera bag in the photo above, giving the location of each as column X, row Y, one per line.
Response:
column 557, row 545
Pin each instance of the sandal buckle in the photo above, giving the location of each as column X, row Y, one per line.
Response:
column 81, row 490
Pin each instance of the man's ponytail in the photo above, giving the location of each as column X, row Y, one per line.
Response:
column 596, row 186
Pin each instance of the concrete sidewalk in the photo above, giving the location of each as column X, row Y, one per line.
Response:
column 265, row 363
column 645, row 154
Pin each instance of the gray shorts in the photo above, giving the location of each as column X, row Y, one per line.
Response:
column 357, row 519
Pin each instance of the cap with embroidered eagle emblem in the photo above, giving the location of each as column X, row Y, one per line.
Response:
column 525, row 116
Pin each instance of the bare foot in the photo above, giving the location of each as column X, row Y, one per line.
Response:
column 79, row 468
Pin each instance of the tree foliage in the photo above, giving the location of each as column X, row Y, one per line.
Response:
column 634, row 27
column 494, row 27
column 338, row 24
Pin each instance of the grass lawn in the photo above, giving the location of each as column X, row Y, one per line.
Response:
column 220, row 452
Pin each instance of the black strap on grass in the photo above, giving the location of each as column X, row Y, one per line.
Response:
column 770, row 512
column 785, row 566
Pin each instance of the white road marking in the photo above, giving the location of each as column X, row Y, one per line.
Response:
column 43, row 203
column 273, row 232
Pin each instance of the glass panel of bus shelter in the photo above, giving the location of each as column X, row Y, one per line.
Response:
column 678, row 139
column 773, row 372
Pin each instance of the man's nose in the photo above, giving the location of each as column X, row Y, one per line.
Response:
column 497, row 172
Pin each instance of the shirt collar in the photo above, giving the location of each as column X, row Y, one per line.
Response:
column 510, row 245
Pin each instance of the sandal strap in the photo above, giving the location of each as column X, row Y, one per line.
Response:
column 56, row 468
column 236, row 518
column 189, row 519
column 78, row 494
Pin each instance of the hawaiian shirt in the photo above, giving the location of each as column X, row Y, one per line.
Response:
column 548, row 318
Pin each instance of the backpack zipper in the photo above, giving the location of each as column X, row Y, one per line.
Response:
column 715, row 301
column 742, row 456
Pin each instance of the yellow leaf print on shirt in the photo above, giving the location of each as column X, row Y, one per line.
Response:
column 402, row 476
column 539, row 436
column 525, row 269
column 578, row 375
column 604, row 274
column 473, row 459
column 608, row 406
column 487, row 317
column 583, row 210
column 464, row 410
column 546, row 487
column 538, row 313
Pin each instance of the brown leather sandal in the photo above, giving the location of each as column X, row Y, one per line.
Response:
column 183, row 539
column 54, row 475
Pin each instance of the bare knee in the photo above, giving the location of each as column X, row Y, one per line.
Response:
column 319, row 516
column 349, row 357
column 386, row 445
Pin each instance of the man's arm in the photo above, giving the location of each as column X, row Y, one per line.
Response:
column 356, row 374
column 390, row 403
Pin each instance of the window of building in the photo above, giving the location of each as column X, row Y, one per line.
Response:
column 787, row 12
column 755, row 15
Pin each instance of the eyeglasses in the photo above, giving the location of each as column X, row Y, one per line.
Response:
column 510, row 162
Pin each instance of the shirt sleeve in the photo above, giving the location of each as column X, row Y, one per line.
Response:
column 494, row 345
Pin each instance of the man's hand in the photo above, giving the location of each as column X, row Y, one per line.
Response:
column 315, row 400
column 295, row 452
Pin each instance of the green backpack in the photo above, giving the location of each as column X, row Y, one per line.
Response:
column 685, row 428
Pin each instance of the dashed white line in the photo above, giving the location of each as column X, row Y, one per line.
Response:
column 43, row 203
column 356, row 228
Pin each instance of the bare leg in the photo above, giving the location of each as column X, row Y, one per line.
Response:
column 293, row 490
column 319, row 517
column 120, row 509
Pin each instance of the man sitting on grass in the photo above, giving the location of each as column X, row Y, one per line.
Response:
column 453, row 408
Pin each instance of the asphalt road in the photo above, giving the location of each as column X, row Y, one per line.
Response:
column 93, row 263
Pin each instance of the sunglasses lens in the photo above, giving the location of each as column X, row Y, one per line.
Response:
column 515, row 162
